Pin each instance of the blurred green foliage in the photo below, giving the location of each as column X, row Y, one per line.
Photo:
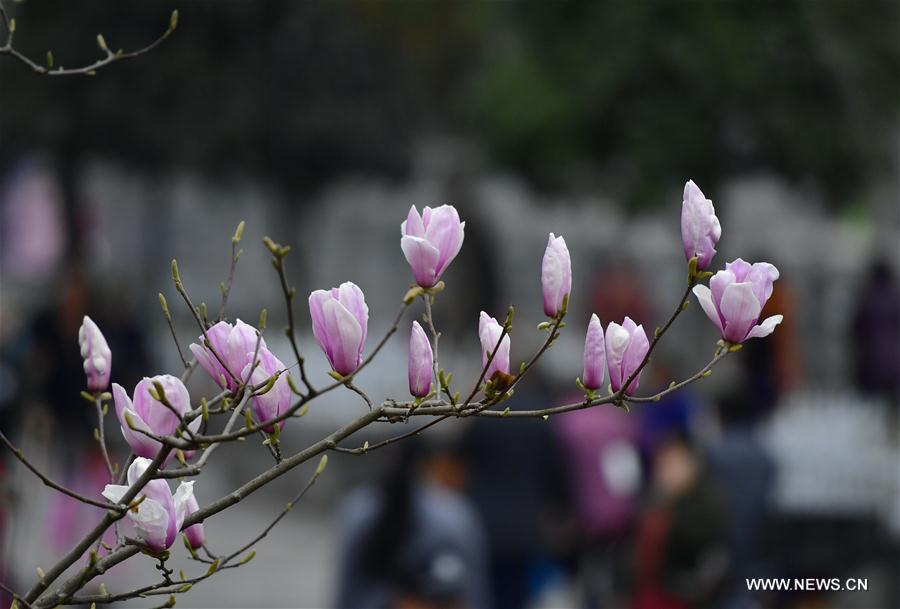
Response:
column 631, row 96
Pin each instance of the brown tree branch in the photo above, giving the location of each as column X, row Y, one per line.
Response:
column 109, row 57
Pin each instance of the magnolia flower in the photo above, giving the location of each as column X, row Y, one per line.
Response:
column 194, row 533
column 735, row 297
column 234, row 344
column 556, row 275
column 160, row 515
column 421, row 362
column 149, row 414
column 489, row 331
column 340, row 319
column 431, row 241
column 626, row 346
column 275, row 401
column 594, row 355
column 96, row 354
column 700, row 228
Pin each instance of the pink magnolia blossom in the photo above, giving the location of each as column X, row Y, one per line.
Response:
column 149, row 414
column 431, row 241
column 626, row 346
column 735, row 298
column 234, row 345
column 159, row 517
column 340, row 318
column 275, row 401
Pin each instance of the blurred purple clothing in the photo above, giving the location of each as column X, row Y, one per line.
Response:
column 600, row 445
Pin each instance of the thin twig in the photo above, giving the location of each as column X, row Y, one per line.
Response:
column 349, row 385
column 111, row 516
column 15, row 596
column 503, row 333
column 435, row 337
column 278, row 518
column 179, row 287
column 476, row 409
column 189, row 370
column 102, row 438
column 88, row 70
column 235, row 254
column 289, row 295
column 246, row 431
column 168, row 316
column 659, row 334
column 282, row 468
column 55, row 486
column 675, row 387
column 195, row 468
column 452, row 412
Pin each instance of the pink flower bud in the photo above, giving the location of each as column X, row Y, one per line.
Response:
column 626, row 346
column 234, row 345
column 159, row 517
column 735, row 298
column 700, row 228
column 421, row 362
column 594, row 355
column 149, row 414
column 431, row 241
column 194, row 533
column 96, row 354
column 489, row 331
column 556, row 275
column 340, row 319
column 275, row 401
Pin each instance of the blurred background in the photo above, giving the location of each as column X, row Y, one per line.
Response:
column 320, row 123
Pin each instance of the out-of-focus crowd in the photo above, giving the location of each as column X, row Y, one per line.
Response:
column 670, row 506
column 674, row 505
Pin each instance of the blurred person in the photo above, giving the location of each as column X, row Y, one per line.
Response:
column 32, row 222
column 676, row 413
column 52, row 420
column 601, row 452
column 746, row 473
column 619, row 293
column 679, row 550
column 518, row 484
column 876, row 334
column 414, row 542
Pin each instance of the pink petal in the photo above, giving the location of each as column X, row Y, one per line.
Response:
column 765, row 328
column 740, row 310
column 704, row 297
